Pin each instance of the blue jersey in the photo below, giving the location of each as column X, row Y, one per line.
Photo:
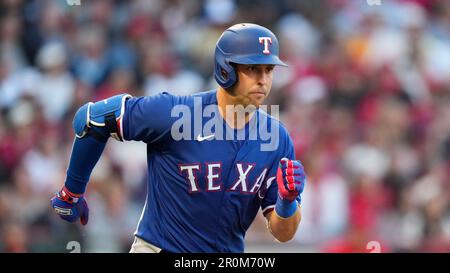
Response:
column 203, row 192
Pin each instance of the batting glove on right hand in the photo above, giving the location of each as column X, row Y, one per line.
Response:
column 70, row 206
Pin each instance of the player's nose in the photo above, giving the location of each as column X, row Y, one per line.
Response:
column 263, row 77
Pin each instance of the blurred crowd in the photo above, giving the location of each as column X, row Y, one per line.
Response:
column 366, row 99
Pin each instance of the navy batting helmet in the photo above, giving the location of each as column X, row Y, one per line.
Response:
column 244, row 44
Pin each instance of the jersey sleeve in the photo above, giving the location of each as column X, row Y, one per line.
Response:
column 148, row 118
column 270, row 198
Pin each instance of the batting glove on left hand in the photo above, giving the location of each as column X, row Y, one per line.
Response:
column 70, row 206
column 291, row 179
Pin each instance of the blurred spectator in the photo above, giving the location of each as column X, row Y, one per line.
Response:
column 15, row 238
column 115, row 218
column 91, row 63
column 10, row 50
column 56, row 86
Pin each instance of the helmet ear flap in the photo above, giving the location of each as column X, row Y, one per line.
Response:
column 224, row 72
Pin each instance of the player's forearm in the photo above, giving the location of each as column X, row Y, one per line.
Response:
column 284, row 229
column 86, row 152
column 93, row 123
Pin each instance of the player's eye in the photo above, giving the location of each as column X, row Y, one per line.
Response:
column 269, row 69
column 251, row 68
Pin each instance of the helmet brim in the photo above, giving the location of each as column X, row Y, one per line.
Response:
column 257, row 59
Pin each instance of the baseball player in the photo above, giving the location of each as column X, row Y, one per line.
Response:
column 204, row 187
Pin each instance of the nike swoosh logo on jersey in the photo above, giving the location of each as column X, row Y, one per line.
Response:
column 200, row 138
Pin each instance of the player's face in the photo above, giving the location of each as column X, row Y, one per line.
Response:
column 254, row 84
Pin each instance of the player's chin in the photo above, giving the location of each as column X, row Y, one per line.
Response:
column 253, row 105
column 257, row 99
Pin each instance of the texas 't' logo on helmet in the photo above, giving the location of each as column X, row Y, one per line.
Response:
column 266, row 41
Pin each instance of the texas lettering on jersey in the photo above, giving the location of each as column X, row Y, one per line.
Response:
column 213, row 178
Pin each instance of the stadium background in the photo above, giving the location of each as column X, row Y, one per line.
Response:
column 366, row 99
